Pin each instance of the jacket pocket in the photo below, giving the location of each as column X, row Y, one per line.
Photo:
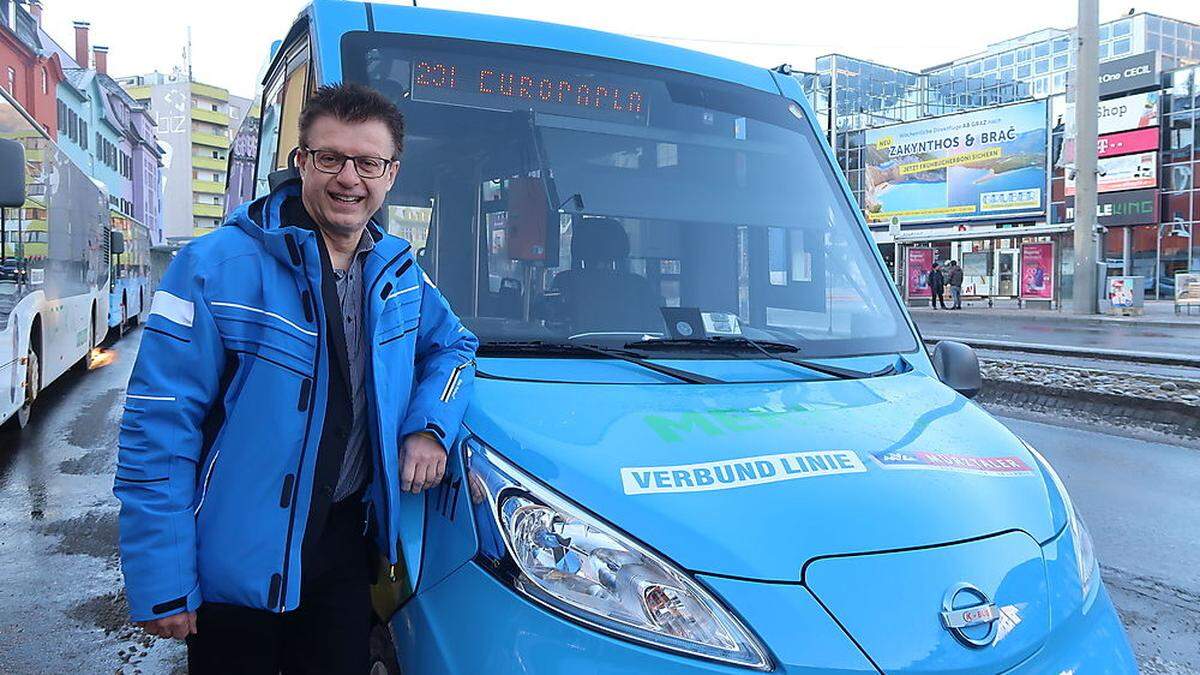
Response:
column 399, row 319
column 208, row 474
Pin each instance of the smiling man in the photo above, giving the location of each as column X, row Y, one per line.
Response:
column 298, row 374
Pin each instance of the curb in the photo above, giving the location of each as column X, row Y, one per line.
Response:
column 1027, row 395
column 1069, row 318
column 1157, row 358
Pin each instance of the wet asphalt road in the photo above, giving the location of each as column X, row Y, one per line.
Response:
column 1048, row 330
column 61, row 609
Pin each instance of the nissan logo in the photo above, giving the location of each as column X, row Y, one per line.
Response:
column 965, row 607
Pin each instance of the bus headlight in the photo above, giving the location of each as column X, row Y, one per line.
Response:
column 570, row 562
column 1081, row 539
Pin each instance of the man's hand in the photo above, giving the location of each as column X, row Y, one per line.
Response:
column 177, row 626
column 423, row 462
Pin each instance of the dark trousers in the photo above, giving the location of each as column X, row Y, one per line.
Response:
column 328, row 634
column 937, row 297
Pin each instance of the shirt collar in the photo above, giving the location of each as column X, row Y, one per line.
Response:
column 294, row 213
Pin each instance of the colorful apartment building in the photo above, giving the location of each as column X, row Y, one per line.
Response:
column 195, row 123
column 29, row 69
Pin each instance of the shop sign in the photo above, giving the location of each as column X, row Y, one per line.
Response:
column 919, row 264
column 1135, row 111
column 1037, row 271
column 1139, row 71
column 1127, row 142
column 1134, row 207
column 1127, row 172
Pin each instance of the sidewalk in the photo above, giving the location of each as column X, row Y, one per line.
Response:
column 1156, row 313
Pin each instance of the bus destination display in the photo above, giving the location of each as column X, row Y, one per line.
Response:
column 505, row 85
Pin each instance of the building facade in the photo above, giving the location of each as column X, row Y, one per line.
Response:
column 195, row 122
column 922, row 156
column 28, row 69
column 99, row 127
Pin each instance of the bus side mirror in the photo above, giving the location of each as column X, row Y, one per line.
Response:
column 958, row 367
column 116, row 243
column 12, row 174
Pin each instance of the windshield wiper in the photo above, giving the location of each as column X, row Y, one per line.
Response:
column 540, row 347
column 763, row 346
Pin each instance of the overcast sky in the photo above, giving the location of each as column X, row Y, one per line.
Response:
column 230, row 38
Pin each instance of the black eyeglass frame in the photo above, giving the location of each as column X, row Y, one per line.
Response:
column 311, row 152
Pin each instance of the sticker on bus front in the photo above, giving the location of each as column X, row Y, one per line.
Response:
column 741, row 472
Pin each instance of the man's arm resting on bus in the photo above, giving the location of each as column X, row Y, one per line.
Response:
column 444, row 372
column 173, row 385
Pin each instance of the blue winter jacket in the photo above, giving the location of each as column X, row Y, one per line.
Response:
column 224, row 410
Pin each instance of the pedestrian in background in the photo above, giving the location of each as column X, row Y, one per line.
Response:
column 297, row 374
column 937, row 285
column 955, row 281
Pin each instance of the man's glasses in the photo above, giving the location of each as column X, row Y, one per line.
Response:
column 328, row 161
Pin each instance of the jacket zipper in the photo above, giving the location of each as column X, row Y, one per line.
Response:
column 207, row 479
column 287, row 548
column 448, row 391
column 387, row 502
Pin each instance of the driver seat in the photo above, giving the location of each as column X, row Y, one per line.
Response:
column 598, row 293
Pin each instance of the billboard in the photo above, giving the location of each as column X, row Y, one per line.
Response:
column 1139, row 71
column 1133, row 207
column 1127, row 172
column 1037, row 271
column 983, row 164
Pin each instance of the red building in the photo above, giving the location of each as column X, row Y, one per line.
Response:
column 29, row 72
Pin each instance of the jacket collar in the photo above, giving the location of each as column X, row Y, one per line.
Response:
column 266, row 219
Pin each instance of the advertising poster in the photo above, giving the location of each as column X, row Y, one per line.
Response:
column 969, row 166
column 1187, row 288
column 1120, row 292
column 920, row 262
column 1037, row 271
column 1128, row 172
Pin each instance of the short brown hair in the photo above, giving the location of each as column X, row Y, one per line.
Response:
column 350, row 102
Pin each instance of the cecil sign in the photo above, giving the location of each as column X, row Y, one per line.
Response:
column 1139, row 71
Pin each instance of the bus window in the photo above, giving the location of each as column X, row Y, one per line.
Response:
column 295, row 93
column 286, row 92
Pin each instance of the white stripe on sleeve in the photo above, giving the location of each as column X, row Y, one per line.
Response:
column 173, row 308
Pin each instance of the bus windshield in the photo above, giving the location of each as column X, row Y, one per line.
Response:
column 554, row 196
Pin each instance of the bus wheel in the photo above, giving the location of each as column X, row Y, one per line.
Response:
column 33, row 385
column 383, row 652
column 85, row 364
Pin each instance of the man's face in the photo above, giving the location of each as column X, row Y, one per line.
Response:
column 346, row 201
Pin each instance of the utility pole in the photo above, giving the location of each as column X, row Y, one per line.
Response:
column 189, row 53
column 1084, row 296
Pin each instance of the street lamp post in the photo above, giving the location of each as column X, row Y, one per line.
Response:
column 1085, row 293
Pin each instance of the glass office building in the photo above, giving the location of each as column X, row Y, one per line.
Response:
column 855, row 99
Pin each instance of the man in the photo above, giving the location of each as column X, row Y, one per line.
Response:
column 937, row 284
column 956, row 282
column 297, row 373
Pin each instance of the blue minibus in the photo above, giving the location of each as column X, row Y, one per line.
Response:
column 706, row 436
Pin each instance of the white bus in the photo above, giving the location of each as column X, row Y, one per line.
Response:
column 54, row 263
